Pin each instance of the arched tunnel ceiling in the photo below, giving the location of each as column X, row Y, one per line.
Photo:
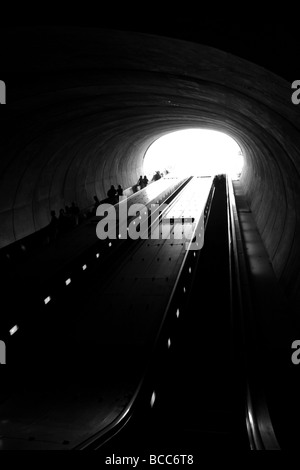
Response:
column 90, row 101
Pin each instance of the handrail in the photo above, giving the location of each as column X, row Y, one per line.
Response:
column 50, row 289
column 98, row 243
column 258, row 422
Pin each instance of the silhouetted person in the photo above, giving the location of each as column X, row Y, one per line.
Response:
column 219, row 180
column 120, row 190
column 112, row 194
column 140, row 182
column 156, row 176
column 145, row 181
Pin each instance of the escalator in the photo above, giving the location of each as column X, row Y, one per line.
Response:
column 198, row 400
column 191, row 396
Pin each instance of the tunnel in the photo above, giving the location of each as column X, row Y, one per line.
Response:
column 84, row 104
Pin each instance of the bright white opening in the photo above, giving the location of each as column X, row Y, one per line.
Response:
column 197, row 152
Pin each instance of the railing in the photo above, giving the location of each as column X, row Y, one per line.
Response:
column 258, row 422
column 74, row 272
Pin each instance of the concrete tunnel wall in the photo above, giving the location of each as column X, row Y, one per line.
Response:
column 92, row 101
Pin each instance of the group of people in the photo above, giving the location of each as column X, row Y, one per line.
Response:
column 142, row 182
column 114, row 193
column 219, row 179
column 112, row 197
column 70, row 216
column 67, row 219
column 157, row 175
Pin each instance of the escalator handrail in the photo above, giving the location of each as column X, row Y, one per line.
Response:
column 258, row 421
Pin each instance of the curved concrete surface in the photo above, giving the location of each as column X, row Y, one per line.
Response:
column 89, row 102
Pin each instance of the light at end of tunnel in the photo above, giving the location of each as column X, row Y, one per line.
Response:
column 13, row 330
column 194, row 152
column 47, row 300
column 153, row 398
